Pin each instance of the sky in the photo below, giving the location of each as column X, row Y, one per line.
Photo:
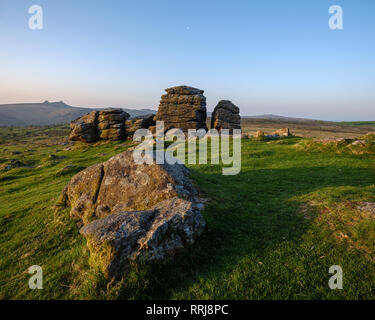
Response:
column 267, row 57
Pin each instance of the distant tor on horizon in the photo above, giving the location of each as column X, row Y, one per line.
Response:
column 49, row 113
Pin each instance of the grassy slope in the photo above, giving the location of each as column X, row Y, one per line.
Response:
column 259, row 243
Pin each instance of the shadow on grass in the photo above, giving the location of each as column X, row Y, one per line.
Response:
column 247, row 215
column 8, row 178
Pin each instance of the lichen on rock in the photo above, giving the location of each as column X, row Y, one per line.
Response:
column 133, row 211
column 150, row 235
column 120, row 184
column 183, row 108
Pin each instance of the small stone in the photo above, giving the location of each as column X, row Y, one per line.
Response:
column 55, row 157
column 359, row 142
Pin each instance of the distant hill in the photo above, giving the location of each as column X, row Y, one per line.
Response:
column 47, row 113
column 280, row 118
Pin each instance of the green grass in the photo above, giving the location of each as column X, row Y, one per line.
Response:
column 272, row 231
column 358, row 123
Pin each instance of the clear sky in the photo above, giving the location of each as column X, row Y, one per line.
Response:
column 270, row 56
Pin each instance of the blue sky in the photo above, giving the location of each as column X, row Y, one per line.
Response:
column 275, row 56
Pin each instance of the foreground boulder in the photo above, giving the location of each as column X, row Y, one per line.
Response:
column 120, row 184
column 85, row 128
column 132, row 212
column 155, row 234
column 226, row 116
column 142, row 122
column 184, row 108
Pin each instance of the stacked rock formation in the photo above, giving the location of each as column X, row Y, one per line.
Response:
column 226, row 116
column 85, row 128
column 141, row 122
column 111, row 124
column 107, row 124
column 184, row 108
column 132, row 211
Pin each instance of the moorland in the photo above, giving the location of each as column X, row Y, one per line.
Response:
column 273, row 231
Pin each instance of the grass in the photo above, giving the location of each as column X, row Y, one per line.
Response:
column 339, row 147
column 272, row 231
column 358, row 123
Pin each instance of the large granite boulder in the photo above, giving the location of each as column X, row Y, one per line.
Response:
column 141, row 122
column 226, row 116
column 131, row 212
column 120, row 184
column 184, row 108
column 111, row 124
column 155, row 234
column 85, row 128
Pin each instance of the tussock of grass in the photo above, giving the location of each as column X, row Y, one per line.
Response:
column 338, row 147
column 369, row 137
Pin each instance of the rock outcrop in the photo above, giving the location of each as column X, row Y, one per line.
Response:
column 284, row 132
column 107, row 124
column 155, row 234
column 184, row 108
column 85, row 128
column 111, row 124
column 120, row 184
column 259, row 135
column 142, row 122
column 132, row 211
column 226, row 116
column 367, row 207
